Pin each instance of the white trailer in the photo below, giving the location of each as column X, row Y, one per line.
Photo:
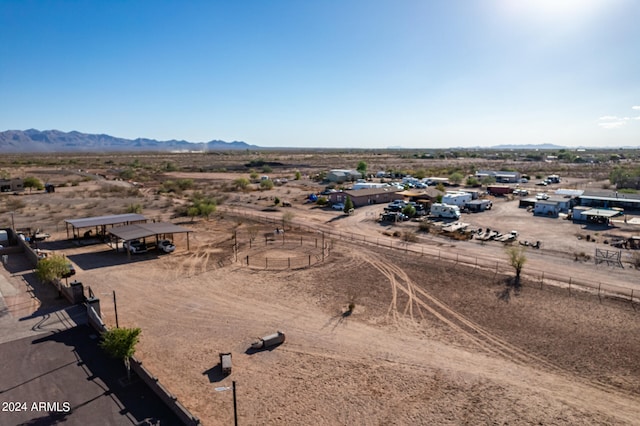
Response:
column 445, row 210
column 456, row 198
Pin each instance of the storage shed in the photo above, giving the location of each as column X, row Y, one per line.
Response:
column 478, row 205
column 546, row 208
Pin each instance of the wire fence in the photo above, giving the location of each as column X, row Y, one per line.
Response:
column 271, row 250
column 537, row 277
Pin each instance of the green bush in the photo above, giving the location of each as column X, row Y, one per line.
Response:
column 266, row 184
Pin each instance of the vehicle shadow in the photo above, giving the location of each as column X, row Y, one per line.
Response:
column 252, row 351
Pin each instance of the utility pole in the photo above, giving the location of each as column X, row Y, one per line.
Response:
column 115, row 308
column 235, row 405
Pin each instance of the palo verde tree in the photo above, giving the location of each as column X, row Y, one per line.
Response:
column 121, row 343
column 362, row 168
column 52, row 268
column 348, row 205
column 287, row 219
column 32, row 182
column 517, row 259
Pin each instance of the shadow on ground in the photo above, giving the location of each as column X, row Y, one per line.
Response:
column 94, row 386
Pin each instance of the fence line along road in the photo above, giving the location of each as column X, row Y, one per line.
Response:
column 602, row 289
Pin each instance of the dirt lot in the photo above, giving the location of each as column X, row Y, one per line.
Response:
column 428, row 342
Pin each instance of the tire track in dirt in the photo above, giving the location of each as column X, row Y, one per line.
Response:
column 470, row 330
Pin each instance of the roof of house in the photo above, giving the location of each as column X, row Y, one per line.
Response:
column 372, row 191
column 430, row 192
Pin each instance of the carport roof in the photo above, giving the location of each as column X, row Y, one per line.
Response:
column 143, row 230
column 602, row 213
column 114, row 219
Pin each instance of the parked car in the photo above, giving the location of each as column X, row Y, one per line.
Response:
column 166, row 246
column 338, row 206
column 136, row 246
column 542, row 196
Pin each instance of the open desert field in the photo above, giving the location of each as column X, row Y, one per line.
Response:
column 426, row 341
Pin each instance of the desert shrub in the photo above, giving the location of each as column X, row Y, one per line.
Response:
column 409, row 237
column 134, row 208
column 396, row 233
column 241, row 184
column 13, row 204
column 266, row 184
column 424, row 227
column 322, row 201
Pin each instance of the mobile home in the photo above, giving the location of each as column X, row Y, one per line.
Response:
column 445, row 210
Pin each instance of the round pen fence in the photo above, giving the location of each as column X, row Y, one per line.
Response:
column 292, row 256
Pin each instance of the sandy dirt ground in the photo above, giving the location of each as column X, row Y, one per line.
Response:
column 428, row 341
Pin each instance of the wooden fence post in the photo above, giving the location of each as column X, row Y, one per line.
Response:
column 600, row 284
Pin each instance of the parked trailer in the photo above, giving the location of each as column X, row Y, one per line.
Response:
column 268, row 341
column 499, row 189
column 445, row 210
column 456, row 198
column 225, row 362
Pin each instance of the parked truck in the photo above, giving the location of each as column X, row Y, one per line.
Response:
column 445, row 210
column 268, row 341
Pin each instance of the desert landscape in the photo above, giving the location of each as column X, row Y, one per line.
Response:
column 379, row 330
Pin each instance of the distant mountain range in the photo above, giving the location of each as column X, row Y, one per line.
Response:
column 36, row 141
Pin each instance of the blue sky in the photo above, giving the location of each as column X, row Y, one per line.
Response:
column 326, row 73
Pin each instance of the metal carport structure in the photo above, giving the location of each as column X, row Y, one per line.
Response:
column 101, row 222
column 143, row 230
column 601, row 215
